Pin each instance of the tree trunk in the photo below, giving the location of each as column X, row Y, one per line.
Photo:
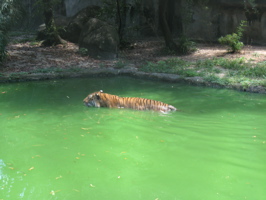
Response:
column 119, row 20
column 179, row 23
column 52, row 36
column 169, row 42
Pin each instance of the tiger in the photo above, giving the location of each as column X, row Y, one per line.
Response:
column 101, row 99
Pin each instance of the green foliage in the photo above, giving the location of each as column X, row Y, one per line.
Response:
column 114, row 12
column 83, row 51
column 233, row 40
column 250, row 3
column 9, row 13
column 218, row 71
column 173, row 66
column 120, row 64
column 259, row 71
column 213, row 79
column 235, row 64
column 186, row 45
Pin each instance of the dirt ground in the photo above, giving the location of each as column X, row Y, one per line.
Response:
column 30, row 56
column 154, row 50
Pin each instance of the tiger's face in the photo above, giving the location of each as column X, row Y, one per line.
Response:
column 93, row 99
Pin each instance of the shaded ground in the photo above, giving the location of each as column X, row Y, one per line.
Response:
column 29, row 57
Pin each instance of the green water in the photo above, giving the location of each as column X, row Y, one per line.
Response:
column 53, row 147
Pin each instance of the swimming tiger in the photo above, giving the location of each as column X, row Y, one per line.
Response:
column 100, row 99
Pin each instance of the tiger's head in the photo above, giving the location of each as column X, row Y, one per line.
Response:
column 93, row 99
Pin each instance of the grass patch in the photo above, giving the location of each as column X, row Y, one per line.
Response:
column 56, row 70
column 219, row 71
column 258, row 71
column 120, row 64
column 238, row 63
column 31, row 39
column 171, row 66
column 16, row 75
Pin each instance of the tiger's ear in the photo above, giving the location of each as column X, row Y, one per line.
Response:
column 101, row 91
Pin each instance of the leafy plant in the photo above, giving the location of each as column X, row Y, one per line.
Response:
column 212, row 78
column 233, row 40
column 120, row 64
column 186, row 45
column 83, row 51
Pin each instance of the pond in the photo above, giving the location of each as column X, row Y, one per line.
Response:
column 54, row 147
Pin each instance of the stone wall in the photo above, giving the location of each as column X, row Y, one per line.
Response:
column 213, row 21
column 202, row 22
column 207, row 23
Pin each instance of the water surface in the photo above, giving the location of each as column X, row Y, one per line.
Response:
column 53, row 147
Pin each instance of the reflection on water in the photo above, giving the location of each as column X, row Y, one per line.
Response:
column 53, row 147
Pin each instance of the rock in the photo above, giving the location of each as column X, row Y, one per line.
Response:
column 41, row 33
column 75, row 25
column 61, row 21
column 100, row 39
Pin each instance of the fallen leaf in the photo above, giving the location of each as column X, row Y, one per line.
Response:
column 53, row 192
column 58, row 177
column 38, row 145
column 31, row 168
column 36, row 156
